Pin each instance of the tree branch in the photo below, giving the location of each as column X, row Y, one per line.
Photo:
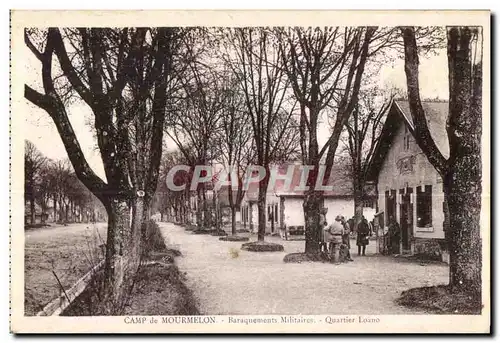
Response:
column 422, row 133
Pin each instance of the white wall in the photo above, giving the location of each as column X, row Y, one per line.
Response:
column 423, row 174
column 343, row 207
column 294, row 212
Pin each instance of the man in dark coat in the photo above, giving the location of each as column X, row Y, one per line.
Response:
column 394, row 233
column 362, row 236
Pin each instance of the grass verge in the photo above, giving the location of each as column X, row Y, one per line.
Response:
column 158, row 287
column 439, row 300
column 66, row 251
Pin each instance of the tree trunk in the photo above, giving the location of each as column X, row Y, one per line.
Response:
column 233, row 220
column 250, row 215
column 122, row 248
column 463, row 195
column 206, row 218
column 261, row 206
column 32, row 208
column 462, row 183
column 232, row 205
column 66, row 212
column 243, row 211
column 461, row 172
column 198, row 209
column 215, row 210
column 44, row 209
column 358, row 203
column 54, row 200
column 312, row 209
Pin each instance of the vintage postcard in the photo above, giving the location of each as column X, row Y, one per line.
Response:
column 250, row 171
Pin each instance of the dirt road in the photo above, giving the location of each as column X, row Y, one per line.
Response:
column 260, row 283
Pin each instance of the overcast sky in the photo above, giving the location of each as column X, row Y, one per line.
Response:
column 42, row 132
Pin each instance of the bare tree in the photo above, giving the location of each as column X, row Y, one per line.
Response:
column 122, row 76
column 235, row 142
column 254, row 59
column 363, row 133
column 194, row 119
column 461, row 171
column 325, row 67
column 34, row 162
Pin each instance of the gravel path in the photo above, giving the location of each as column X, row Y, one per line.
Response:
column 260, row 283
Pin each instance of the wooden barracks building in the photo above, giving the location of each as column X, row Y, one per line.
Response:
column 409, row 188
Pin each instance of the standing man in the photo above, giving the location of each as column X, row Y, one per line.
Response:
column 394, row 236
column 335, row 231
column 362, row 236
column 346, row 241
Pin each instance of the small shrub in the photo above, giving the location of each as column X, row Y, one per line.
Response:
column 218, row 233
column 234, row 253
column 262, row 246
column 152, row 238
column 201, row 231
column 234, row 239
column 300, row 257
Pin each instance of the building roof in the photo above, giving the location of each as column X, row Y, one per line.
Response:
column 339, row 179
column 223, row 196
column 436, row 113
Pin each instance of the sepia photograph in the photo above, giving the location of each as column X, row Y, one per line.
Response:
column 283, row 176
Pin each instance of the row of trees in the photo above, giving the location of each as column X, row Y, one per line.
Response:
column 53, row 185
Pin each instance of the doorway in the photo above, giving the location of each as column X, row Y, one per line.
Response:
column 406, row 220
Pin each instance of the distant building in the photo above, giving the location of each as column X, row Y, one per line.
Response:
column 284, row 205
column 410, row 190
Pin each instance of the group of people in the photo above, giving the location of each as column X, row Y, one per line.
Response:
column 336, row 238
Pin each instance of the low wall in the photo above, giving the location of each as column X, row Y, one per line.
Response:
column 432, row 249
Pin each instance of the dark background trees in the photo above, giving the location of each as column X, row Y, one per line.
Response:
column 34, row 163
column 53, row 186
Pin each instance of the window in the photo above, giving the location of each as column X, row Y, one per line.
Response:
column 406, row 139
column 390, row 206
column 424, row 207
column 276, row 213
column 406, row 142
column 369, row 202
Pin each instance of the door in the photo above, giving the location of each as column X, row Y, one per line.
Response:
column 406, row 221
